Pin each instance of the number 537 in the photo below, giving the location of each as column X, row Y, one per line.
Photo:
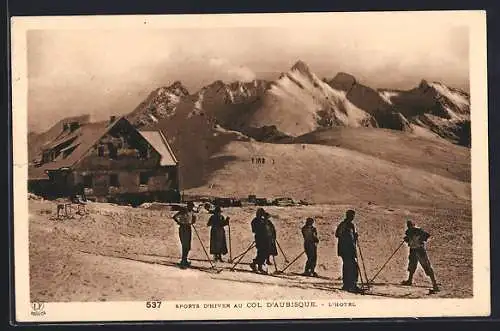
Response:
column 153, row 304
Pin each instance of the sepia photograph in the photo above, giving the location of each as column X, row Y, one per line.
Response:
column 246, row 166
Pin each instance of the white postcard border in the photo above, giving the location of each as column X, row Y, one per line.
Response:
column 479, row 305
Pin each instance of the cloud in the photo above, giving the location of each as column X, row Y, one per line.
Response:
column 231, row 71
column 110, row 71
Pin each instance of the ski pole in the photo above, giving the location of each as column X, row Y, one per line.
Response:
column 363, row 285
column 242, row 255
column 239, row 255
column 279, row 246
column 201, row 242
column 230, row 253
column 363, row 263
column 390, row 257
column 289, row 264
column 275, row 266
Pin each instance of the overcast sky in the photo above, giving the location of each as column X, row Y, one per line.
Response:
column 104, row 72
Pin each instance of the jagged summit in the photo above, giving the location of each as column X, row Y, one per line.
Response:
column 343, row 81
column 176, row 88
column 423, row 84
column 177, row 85
column 215, row 84
column 344, row 76
column 300, row 102
column 301, row 66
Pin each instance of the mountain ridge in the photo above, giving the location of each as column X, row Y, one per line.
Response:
column 200, row 124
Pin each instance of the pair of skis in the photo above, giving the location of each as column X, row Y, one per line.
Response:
column 240, row 256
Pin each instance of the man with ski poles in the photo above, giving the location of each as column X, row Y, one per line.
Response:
column 262, row 241
column 185, row 219
column 416, row 238
column 347, row 238
column 311, row 241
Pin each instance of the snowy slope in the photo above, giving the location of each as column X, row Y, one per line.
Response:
column 433, row 109
column 299, row 102
column 160, row 104
column 387, row 95
column 460, row 100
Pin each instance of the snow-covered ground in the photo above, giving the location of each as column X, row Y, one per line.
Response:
column 123, row 253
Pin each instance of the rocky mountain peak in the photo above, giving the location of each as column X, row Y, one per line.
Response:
column 423, row 84
column 301, row 66
column 178, row 87
column 343, row 81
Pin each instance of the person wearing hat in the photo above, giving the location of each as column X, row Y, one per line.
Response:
column 185, row 219
column 346, row 249
column 218, row 245
column 311, row 241
column 261, row 241
column 416, row 238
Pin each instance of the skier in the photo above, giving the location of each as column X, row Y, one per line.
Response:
column 185, row 219
column 271, row 231
column 262, row 238
column 347, row 237
column 218, row 245
column 416, row 237
column 311, row 240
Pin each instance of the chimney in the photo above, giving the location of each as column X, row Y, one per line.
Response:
column 112, row 119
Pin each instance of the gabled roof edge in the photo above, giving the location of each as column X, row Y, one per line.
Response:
column 168, row 146
column 109, row 127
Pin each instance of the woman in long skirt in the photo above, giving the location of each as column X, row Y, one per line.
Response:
column 273, row 251
column 218, row 246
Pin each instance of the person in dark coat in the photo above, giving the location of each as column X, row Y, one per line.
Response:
column 271, row 230
column 218, row 245
column 185, row 219
column 311, row 241
column 262, row 239
column 347, row 237
column 416, row 238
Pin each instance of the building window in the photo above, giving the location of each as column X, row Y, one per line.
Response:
column 144, row 178
column 100, row 150
column 113, row 180
column 46, row 156
column 143, row 152
column 73, row 126
column 67, row 152
column 87, row 181
column 112, row 151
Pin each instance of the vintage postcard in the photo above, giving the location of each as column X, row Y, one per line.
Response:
column 257, row 166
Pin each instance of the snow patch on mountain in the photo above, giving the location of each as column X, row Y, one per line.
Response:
column 320, row 96
column 459, row 99
column 299, row 102
column 387, row 95
column 422, row 131
column 239, row 136
column 453, row 116
column 230, row 93
column 243, row 91
column 160, row 104
column 198, row 105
